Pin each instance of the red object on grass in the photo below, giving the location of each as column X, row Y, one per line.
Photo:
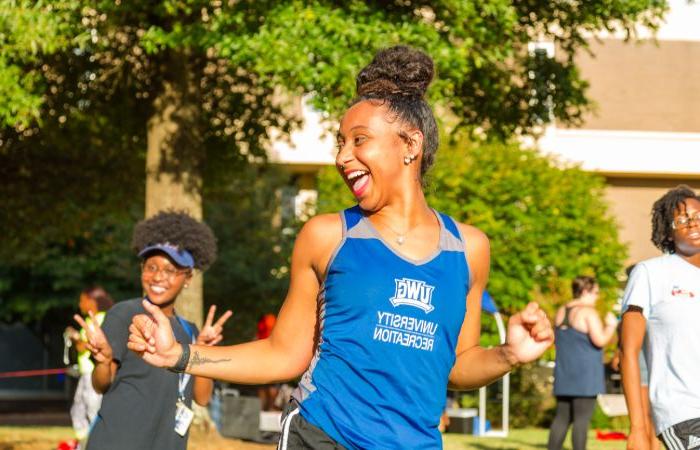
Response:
column 70, row 444
column 610, row 435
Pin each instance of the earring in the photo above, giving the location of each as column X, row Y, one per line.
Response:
column 342, row 167
column 407, row 160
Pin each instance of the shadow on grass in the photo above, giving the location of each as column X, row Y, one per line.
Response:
column 526, row 444
column 477, row 446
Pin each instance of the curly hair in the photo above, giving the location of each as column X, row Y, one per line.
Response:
column 181, row 230
column 400, row 76
column 662, row 216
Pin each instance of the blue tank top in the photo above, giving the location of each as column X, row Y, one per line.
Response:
column 578, row 367
column 388, row 331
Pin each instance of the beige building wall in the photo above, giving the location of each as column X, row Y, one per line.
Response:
column 644, row 86
column 644, row 135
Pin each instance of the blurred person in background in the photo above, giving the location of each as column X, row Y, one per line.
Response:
column 579, row 374
column 94, row 302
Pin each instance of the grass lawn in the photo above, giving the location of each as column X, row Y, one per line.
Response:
column 46, row 438
column 32, row 437
column 522, row 439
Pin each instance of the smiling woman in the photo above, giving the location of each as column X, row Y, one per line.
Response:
column 661, row 307
column 384, row 305
column 171, row 245
column 162, row 280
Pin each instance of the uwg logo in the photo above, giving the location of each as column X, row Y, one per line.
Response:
column 413, row 293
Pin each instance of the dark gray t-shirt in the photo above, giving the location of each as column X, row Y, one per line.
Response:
column 138, row 410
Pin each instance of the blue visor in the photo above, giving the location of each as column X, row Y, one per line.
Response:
column 182, row 258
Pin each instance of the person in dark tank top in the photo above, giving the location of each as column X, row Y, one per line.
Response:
column 579, row 376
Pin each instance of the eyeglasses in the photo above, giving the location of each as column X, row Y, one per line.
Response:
column 685, row 221
column 152, row 270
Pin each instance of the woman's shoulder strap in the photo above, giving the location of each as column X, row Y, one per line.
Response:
column 351, row 217
column 565, row 322
column 451, row 226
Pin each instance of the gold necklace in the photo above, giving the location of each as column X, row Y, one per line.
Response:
column 400, row 237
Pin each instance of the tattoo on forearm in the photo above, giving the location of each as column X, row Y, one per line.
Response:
column 198, row 360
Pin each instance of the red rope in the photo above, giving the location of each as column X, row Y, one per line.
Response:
column 32, row 373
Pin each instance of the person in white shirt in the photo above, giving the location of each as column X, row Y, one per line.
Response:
column 662, row 299
column 87, row 401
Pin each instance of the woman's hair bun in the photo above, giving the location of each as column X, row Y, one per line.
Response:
column 396, row 71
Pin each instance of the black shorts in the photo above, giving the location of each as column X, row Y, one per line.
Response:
column 682, row 436
column 298, row 433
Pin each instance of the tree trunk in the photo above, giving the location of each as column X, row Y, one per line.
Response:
column 173, row 162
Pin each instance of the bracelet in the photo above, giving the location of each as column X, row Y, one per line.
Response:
column 183, row 361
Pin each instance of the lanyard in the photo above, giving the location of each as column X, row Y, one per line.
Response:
column 184, row 377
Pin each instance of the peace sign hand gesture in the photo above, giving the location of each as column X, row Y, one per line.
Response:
column 96, row 340
column 211, row 333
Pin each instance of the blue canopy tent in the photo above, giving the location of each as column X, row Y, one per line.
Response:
column 489, row 306
column 487, row 303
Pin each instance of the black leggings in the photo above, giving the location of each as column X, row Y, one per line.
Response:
column 571, row 409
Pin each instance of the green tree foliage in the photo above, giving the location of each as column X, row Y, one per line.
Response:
column 226, row 57
column 546, row 223
column 72, row 190
column 106, row 73
column 480, row 48
column 29, row 31
column 251, row 274
column 193, row 83
column 46, row 288
column 110, row 92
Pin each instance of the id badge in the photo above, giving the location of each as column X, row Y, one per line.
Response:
column 183, row 418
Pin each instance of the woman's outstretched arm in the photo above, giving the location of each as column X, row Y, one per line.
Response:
column 529, row 332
